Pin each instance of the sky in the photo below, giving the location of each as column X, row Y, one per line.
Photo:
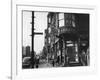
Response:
column 40, row 25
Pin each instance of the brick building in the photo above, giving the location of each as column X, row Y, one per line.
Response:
column 65, row 34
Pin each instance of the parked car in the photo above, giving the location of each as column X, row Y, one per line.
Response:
column 26, row 62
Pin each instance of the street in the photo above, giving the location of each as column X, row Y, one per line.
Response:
column 45, row 65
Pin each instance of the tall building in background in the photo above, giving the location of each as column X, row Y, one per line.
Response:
column 23, row 51
column 28, row 51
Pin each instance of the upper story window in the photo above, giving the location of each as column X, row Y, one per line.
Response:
column 49, row 40
column 73, row 23
column 70, row 20
column 49, row 30
column 61, row 19
column 73, row 20
column 49, row 20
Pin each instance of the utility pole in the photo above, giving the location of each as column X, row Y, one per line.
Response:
column 32, row 54
column 33, row 33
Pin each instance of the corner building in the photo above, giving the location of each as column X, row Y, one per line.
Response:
column 65, row 37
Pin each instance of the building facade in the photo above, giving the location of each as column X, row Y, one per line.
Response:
column 64, row 38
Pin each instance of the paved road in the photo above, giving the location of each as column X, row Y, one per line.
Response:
column 45, row 65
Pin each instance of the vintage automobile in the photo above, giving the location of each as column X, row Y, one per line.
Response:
column 26, row 62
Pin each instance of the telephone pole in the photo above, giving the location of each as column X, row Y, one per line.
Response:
column 33, row 33
column 32, row 54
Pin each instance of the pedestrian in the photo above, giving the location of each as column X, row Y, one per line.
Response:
column 37, row 61
column 83, row 58
column 53, row 63
column 32, row 62
column 58, row 58
column 53, row 60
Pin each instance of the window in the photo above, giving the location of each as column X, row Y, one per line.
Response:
column 49, row 39
column 49, row 20
column 69, row 20
column 73, row 20
column 61, row 19
column 73, row 23
column 49, row 30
